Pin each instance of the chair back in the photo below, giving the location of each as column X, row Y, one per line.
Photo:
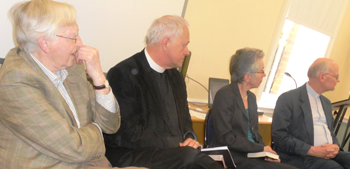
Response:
column 208, row 129
column 185, row 63
column 215, row 85
column 1, row 61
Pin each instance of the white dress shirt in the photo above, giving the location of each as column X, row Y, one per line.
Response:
column 322, row 135
column 107, row 101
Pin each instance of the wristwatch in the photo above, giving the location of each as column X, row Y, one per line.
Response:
column 105, row 85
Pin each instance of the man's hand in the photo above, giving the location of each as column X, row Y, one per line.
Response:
column 326, row 151
column 93, row 66
column 191, row 143
column 332, row 150
column 269, row 149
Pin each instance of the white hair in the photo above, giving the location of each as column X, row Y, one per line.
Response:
column 36, row 18
column 169, row 25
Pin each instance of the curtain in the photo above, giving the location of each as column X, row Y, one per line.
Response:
column 320, row 15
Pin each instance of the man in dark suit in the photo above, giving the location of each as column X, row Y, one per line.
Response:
column 302, row 126
column 156, row 129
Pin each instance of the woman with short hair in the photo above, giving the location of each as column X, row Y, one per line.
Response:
column 234, row 112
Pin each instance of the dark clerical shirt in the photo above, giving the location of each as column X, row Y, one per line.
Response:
column 170, row 111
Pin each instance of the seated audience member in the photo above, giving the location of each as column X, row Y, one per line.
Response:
column 156, row 129
column 50, row 115
column 235, row 116
column 302, row 126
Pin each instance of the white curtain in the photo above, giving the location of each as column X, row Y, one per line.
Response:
column 320, row 15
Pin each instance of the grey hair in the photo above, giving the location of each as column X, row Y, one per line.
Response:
column 315, row 69
column 244, row 61
column 168, row 25
column 36, row 18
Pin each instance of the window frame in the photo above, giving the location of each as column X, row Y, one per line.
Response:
column 269, row 56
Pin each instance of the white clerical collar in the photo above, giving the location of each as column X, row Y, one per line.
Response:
column 153, row 64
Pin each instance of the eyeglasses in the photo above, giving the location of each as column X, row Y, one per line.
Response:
column 74, row 39
column 336, row 77
column 261, row 71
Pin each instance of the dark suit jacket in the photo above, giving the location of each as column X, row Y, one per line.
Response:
column 231, row 122
column 143, row 125
column 292, row 125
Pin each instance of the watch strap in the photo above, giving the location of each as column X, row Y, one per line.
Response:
column 102, row 86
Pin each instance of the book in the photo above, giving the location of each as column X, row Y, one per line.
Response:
column 224, row 152
column 263, row 154
column 219, row 158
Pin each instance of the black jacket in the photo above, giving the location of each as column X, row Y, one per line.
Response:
column 142, row 123
column 231, row 123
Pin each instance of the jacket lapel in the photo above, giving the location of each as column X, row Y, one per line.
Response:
column 306, row 108
column 53, row 94
column 151, row 86
column 238, row 98
column 251, row 107
column 66, row 111
column 70, row 85
column 145, row 76
column 326, row 109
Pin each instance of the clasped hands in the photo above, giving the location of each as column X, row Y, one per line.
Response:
column 326, row 151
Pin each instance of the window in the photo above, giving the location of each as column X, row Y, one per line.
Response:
column 304, row 32
column 298, row 47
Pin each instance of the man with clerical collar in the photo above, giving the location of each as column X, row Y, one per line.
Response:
column 156, row 129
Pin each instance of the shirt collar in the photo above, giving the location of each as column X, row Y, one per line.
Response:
column 57, row 78
column 153, row 64
column 311, row 91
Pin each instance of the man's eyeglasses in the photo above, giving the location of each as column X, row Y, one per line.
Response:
column 336, row 77
column 74, row 39
column 261, row 71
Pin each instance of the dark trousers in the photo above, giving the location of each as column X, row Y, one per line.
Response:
column 170, row 158
column 260, row 163
column 341, row 161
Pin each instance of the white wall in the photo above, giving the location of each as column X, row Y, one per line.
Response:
column 116, row 27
